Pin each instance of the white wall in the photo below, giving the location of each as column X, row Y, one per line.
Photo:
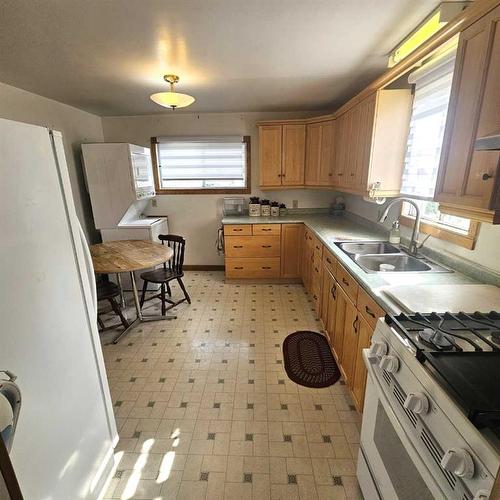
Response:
column 486, row 253
column 197, row 217
column 76, row 126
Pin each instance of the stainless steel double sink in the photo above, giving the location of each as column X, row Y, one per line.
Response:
column 370, row 255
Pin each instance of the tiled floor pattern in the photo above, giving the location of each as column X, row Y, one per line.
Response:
column 205, row 409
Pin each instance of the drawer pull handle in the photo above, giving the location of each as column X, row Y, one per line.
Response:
column 316, row 269
column 345, row 282
column 355, row 325
column 328, row 260
column 315, row 297
column 266, row 267
column 266, row 246
column 238, row 267
column 334, row 291
column 269, row 229
column 236, row 230
column 237, row 246
column 369, row 312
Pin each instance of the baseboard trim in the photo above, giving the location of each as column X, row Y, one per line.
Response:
column 204, row 268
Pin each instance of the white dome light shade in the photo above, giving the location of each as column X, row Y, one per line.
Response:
column 172, row 99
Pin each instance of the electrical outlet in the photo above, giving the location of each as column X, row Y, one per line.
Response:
column 295, row 203
column 154, row 202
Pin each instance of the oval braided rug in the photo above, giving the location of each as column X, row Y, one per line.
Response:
column 309, row 360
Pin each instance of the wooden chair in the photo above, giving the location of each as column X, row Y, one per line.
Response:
column 107, row 290
column 172, row 270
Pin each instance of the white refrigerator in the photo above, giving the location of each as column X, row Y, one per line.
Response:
column 66, row 432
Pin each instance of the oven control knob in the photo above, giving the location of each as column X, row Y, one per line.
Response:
column 482, row 495
column 417, row 402
column 377, row 349
column 389, row 363
column 459, row 462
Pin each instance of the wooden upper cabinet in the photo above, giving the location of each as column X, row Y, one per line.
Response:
column 313, row 154
column 327, row 153
column 294, row 149
column 282, row 154
column 270, row 143
column 371, row 143
column 320, row 147
column 468, row 181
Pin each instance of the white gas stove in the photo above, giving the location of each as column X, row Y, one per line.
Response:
column 427, row 433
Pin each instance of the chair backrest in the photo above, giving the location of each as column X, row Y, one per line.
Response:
column 177, row 244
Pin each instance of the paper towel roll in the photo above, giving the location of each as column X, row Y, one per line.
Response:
column 6, row 413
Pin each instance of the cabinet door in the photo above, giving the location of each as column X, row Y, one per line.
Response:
column 325, row 295
column 358, row 386
column 350, row 344
column 365, row 127
column 313, row 154
column 467, row 177
column 316, row 282
column 327, row 153
column 270, row 138
column 329, row 303
column 294, row 148
column 291, row 238
column 305, row 261
column 338, row 332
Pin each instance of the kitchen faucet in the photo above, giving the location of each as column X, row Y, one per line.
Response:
column 413, row 246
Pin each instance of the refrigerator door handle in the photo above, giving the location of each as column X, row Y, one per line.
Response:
column 90, row 266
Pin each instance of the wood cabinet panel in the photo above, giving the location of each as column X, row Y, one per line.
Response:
column 266, row 229
column 329, row 261
column 313, row 154
column 325, row 177
column 294, row 146
column 253, row 246
column 359, row 376
column 347, row 282
column 342, row 302
column 253, row 267
column 291, row 240
column 270, row 147
column 237, row 229
column 468, row 178
column 350, row 342
column 368, row 308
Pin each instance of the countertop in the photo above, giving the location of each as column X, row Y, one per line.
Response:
column 330, row 229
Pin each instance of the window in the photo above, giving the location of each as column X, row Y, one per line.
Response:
column 432, row 83
column 202, row 164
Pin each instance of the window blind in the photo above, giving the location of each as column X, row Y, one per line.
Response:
column 430, row 106
column 209, row 160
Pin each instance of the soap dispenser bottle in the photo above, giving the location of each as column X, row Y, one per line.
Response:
column 395, row 234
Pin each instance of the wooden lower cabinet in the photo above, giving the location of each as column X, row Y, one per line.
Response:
column 359, row 375
column 350, row 340
column 340, row 319
column 250, row 267
column 291, row 239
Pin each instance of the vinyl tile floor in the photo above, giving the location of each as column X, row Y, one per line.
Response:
column 205, row 410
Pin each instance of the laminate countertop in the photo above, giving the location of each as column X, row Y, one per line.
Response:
column 330, row 229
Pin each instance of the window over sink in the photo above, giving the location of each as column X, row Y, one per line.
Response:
column 432, row 87
column 206, row 164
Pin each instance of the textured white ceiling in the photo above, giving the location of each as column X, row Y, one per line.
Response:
column 108, row 56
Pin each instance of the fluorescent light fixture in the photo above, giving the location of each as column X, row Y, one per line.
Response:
column 431, row 25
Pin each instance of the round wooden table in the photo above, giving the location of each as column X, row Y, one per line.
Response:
column 127, row 256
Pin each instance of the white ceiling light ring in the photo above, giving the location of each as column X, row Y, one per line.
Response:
column 172, row 99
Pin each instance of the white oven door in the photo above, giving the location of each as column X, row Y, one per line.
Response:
column 395, row 465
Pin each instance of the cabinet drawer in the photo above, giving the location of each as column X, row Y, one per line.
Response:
column 253, row 268
column 317, row 246
column 329, row 261
column 237, row 229
column 347, row 282
column 267, row 229
column 253, row 246
column 369, row 309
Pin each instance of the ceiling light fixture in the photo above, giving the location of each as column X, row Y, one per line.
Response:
column 172, row 99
